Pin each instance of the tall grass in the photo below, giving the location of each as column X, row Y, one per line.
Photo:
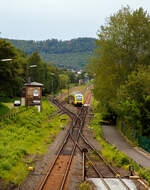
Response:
column 26, row 134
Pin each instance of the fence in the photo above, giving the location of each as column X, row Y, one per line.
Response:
column 144, row 142
column 132, row 134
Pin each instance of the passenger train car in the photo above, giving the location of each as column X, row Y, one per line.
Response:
column 77, row 98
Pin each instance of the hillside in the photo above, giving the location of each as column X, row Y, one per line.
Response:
column 72, row 54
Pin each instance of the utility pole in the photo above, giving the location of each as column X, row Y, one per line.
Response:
column 68, row 92
column 29, row 76
column 52, row 74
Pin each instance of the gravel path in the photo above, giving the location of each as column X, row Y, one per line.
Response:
column 112, row 136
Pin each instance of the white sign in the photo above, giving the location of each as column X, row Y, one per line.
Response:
column 37, row 101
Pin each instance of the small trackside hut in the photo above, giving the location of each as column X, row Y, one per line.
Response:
column 32, row 95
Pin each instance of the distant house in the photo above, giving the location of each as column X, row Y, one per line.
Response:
column 79, row 72
column 32, row 95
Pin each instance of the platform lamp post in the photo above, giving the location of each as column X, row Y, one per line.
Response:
column 29, row 77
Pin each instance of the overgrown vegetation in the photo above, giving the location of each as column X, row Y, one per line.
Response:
column 121, row 69
column 113, row 156
column 28, row 133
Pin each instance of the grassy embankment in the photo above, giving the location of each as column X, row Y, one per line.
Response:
column 113, row 156
column 28, row 133
column 3, row 109
column 6, row 104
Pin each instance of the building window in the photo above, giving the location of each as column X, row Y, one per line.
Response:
column 36, row 93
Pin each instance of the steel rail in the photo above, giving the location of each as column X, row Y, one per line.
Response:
column 40, row 187
column 99, row 173
column 75, row 119
column 108, row 165
column 91, row 163
column 73, row 151
column 53, row 164
column 83, row 168
column 84, row 110
column 100, row 156
column 59, row 104
column 76, row 145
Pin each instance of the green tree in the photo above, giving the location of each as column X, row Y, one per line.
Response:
column 134, row 101
column 123, row 45
column 37, row 73
column 10, row 71
column 64, row 80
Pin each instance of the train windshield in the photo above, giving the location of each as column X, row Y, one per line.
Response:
column 79, row 98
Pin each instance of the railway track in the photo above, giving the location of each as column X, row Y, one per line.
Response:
column 59, row 171
column 84, row 151
column 65, row 155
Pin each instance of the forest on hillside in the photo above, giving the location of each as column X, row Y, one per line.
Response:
column 73, row 54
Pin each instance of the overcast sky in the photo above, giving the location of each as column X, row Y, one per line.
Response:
column 61, row 19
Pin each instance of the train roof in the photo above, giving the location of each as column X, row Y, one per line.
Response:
column 74, row 93
column 77, row 93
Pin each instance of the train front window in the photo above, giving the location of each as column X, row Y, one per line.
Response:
column 79, row 98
